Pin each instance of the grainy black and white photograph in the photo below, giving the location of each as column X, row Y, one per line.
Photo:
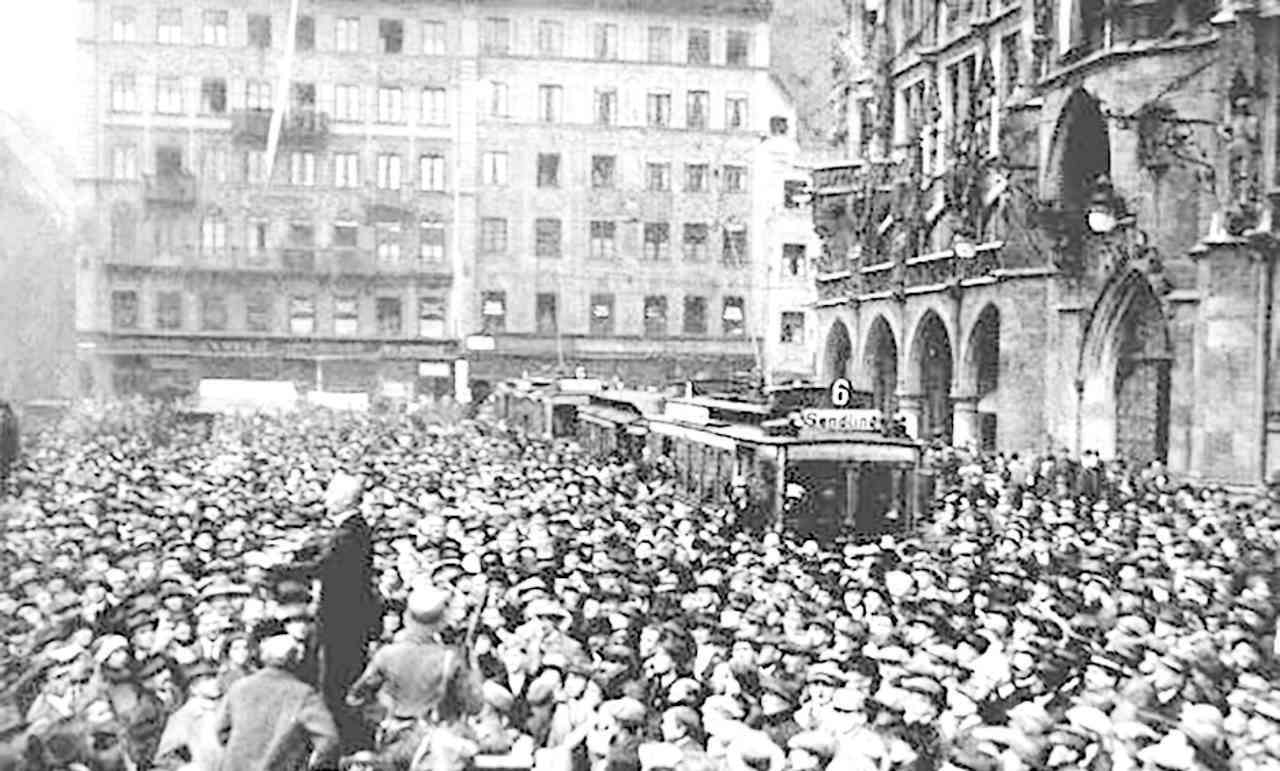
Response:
column 640, row 385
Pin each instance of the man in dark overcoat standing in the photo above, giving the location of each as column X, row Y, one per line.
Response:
column 10, row 445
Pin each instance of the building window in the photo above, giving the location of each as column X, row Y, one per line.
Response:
column 606, row 41
column 696, row 236
column 346, row 235
column 794, row 259
column 257, row 95
column 169, row 26
column 866, row 125
column 1011, row 53
column 431, row 242
column 699, row 48
column 213, row 312
column 346, row 34
column 304, row 35
column 346, row 316
column 304, row 97
column 657, row 241
column 606, row 107
column 169, row 96
column 602, row 171
column 546, row 237
column 431, row 172
column 431, row 317
column 545, row 317
column 213, row 96
column 734, row 246
column 434, row 110
column 660, row 44
column 494, row 168
column 124, row 309
column 734, row 318
column 433, row 39
column 735, row 113
column 792, row 328
column 213, row 166
column 655, row 316
column 659, row 177
column 603, row 244
column 259, row 26
column 601, row 314
column 215, row 28
column 124, row 162
column 390, row 105
column 257, row 312
column 391, row 35
column 346, row 170
column 737, row 48
column 495, row 36
column 698, row 110
column 257, row 238
column 169, row 310
column 255, row 166
column 550, row 103
column 346, row 103
column 388, row 311
column 168, row 160
column 550, row 38
column 695, row 177
column 124, row 25
column 778, row 126
column 548, row 170
column 213, row 234
column 695, row 315
column 388, row 171
column 735, row 179
column 124, row 231
column 124, row 93
column 302, row 169
column 792, row 190
column 499, row 105
column 302, row 235
column 493, row 311
column 389, row 236
column 493, row 235
column 302, row 315
column 659, row 110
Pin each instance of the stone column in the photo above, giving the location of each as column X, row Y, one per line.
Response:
column 911, row 406
column 965, row 427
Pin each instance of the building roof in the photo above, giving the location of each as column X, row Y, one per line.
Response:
column 760, row 9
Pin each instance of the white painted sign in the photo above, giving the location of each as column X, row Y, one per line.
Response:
column 688, row 413
column 481, row 343
column 841, row 392
column 815, row 422
column 435, row 369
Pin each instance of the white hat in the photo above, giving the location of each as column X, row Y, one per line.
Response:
column 426, row 604
column 109, row 645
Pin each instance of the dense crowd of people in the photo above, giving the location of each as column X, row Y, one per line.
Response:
column 378, row 590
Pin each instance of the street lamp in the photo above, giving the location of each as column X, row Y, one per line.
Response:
column 1107, row 210
column 964, row 249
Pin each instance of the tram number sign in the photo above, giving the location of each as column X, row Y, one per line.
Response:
column 841, row 393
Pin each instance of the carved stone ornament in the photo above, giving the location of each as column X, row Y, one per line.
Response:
column 1241, row 134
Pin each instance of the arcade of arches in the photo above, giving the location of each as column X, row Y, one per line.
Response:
column 933, row 363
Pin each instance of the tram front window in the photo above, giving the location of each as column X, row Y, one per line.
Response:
column 820, row 511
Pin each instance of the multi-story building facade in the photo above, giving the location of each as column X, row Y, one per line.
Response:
column 528, row 186
column 1056, row 229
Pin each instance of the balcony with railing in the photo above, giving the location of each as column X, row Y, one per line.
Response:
column 170, row 190
column 301, row 128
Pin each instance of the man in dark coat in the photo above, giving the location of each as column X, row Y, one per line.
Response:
column 272, row 721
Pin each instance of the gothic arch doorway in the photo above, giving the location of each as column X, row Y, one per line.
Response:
column 1142, row 381
column 983, row 372
column 1126, row 362
column 838, row 352
column 932, row 361
column 880, row 362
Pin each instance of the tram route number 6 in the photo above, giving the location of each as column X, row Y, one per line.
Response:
column 841, row 392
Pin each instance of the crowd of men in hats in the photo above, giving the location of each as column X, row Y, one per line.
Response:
column 368, row 591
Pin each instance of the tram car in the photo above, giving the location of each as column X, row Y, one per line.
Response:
column 821, row 468
column 544, row 408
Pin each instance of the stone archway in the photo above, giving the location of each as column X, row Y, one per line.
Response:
column 1080, row 153
column 931, row 360
column 980, row 378
column 880, row 362
column 838, row 352
column 1125, row 364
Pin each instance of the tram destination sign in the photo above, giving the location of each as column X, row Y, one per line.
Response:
column 819, row 423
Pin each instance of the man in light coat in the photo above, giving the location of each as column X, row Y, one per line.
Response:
column 272, row 721
column 190, row 738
